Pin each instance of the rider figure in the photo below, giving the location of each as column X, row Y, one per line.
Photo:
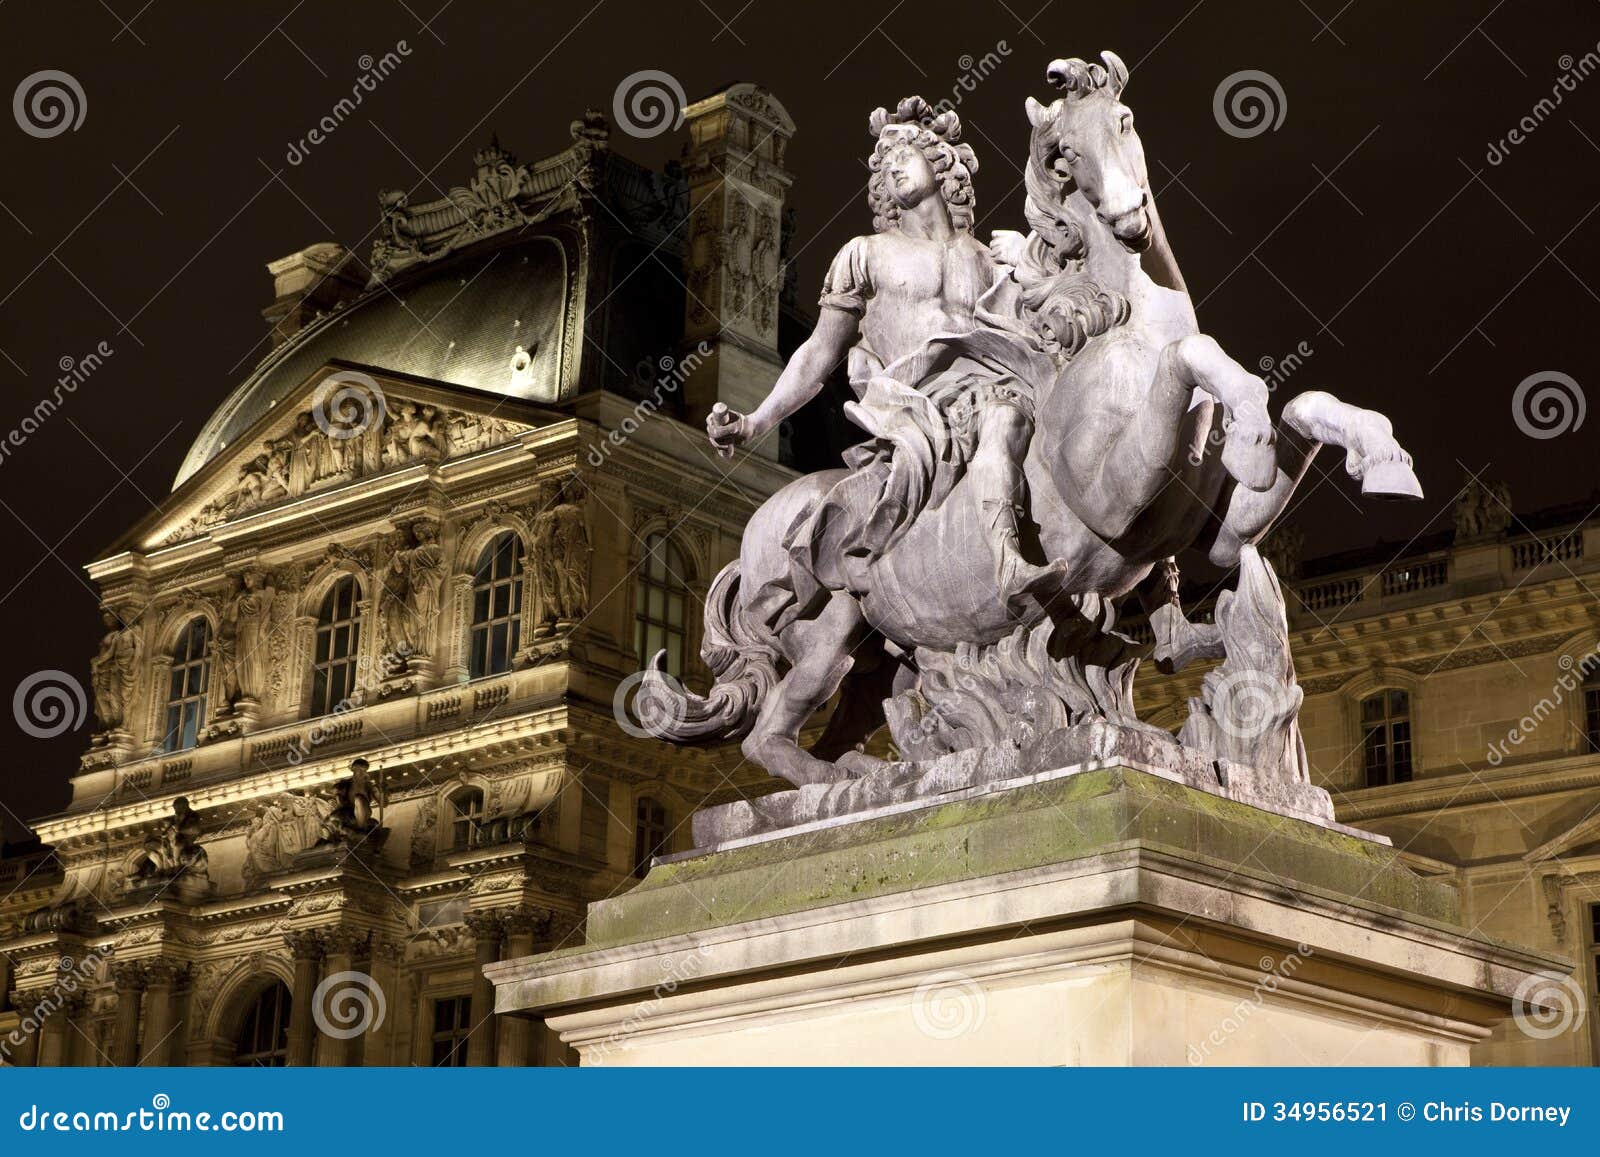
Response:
column 920, row 276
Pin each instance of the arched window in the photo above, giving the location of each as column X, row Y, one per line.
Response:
column 338, row 645
column 659, row 601
column 649, row 833
column 496, row 607
column 186, row 690
column 466, row 823
column 264, row 1037
column 1386, row 737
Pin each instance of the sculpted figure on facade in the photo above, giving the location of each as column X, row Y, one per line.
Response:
column 1482, row 510
column 245, row 639
column 562, row 549
column 1048, row 427
column 174, row 850
column 410, row 598
column 114, row 669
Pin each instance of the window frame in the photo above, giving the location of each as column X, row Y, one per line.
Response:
column 646, row 823
column 655, row 631
column 276, row 1056
column 467, row 825
column 191, row 705
column 487, row 582
column 345, row 667
column 1385, row 723
column 455, row 1036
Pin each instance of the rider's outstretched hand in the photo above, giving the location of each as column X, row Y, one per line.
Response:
column 727, row 429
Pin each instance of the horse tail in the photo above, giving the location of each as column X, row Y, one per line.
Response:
column 743, row 659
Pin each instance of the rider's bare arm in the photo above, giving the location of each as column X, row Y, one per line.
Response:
column 800, row 381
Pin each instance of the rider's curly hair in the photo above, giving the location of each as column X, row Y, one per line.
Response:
column 938, row 135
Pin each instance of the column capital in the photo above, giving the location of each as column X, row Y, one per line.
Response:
column 164, row 973
column 486, row 926
column 304, row 944
column 527, row 921
column 342, row 941
column 128, row 974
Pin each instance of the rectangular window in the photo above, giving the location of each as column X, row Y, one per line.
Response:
column 1591, row 716
column 452, row 1024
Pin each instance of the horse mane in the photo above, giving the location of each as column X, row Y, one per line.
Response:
column 1064, row 304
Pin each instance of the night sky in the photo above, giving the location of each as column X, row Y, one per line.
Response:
column 1387, row 223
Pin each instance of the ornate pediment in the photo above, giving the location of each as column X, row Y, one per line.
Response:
column 345, row 426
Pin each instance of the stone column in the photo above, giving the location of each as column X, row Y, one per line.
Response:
column 161, row 976
column 487, row 929
column 306, row 948
column 26, row 1054
column 338, row 948
column 738, row 183
column 53, row 1033
column 378, row 1048
column 516, row 1032
column 129, row 978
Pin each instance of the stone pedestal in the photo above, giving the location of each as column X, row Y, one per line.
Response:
column 1096, row 916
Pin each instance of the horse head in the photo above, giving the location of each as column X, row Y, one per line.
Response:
column 1086, row 141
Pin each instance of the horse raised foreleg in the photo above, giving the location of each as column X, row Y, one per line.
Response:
column 823, row 652
column 1372, row 456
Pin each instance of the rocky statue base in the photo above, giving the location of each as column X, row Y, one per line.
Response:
column 1098, row 916
column 914, row 784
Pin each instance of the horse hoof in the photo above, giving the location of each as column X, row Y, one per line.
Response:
column 1391, row 479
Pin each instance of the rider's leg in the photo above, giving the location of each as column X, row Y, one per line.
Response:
column 823, row 650
column 995, row 475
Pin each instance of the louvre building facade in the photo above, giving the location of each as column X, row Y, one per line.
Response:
column 358, row 731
